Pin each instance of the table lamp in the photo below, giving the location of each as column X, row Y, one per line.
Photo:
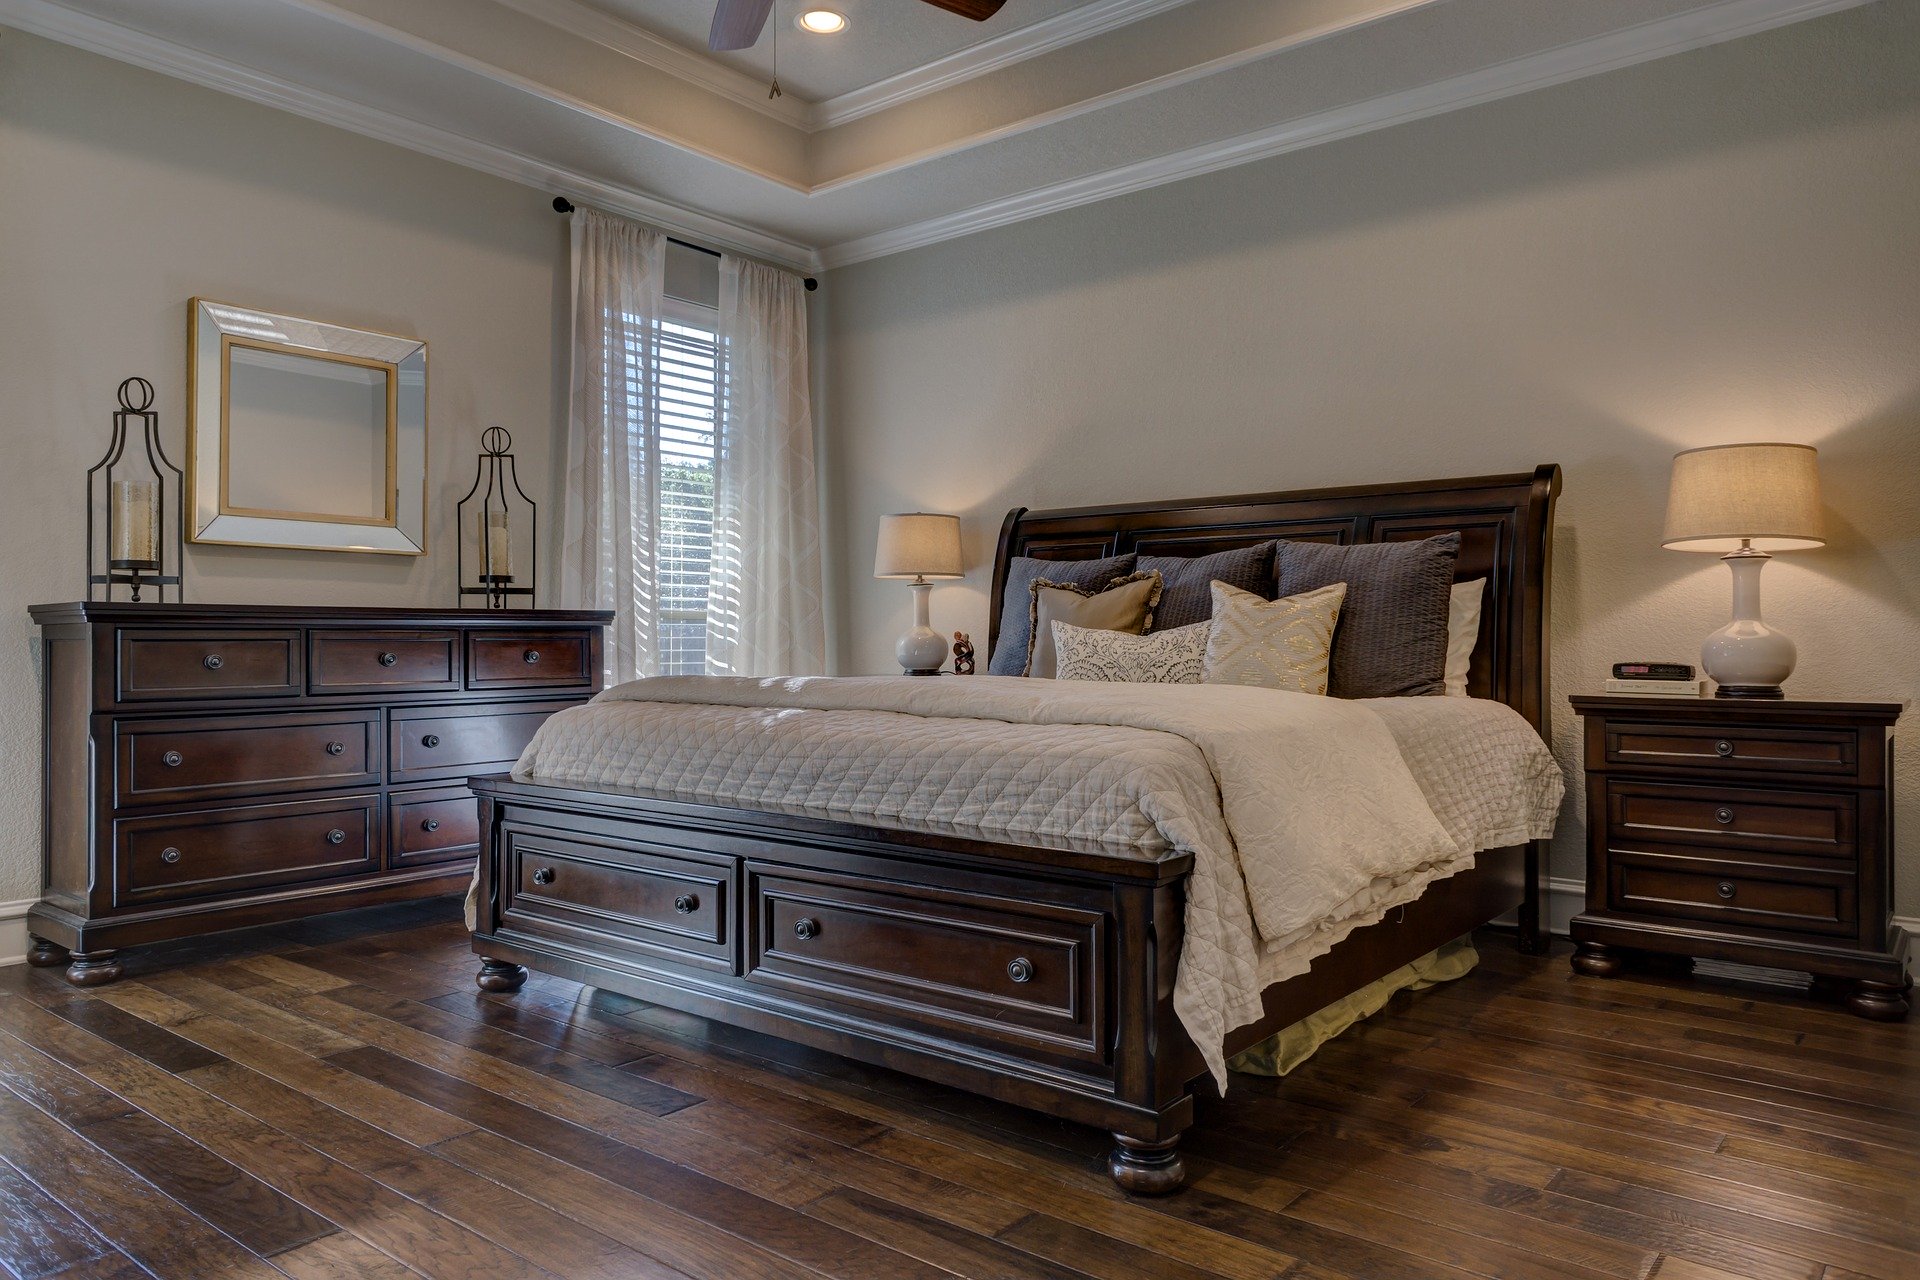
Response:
column 919, row 546
column 1745, row 500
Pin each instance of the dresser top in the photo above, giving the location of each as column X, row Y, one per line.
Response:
column 122, row 611
column 1747, row 709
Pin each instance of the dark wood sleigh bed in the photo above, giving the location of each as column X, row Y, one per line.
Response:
column 1040, row 977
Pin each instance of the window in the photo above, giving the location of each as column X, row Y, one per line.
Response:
column 685, row 396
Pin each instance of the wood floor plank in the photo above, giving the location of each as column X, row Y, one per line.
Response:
column 341, row 1256
column 37, row 1235
column 937, row 1243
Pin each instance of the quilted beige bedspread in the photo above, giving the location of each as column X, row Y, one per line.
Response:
column 1307, row 817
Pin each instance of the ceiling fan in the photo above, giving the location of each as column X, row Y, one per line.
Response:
column 737, row 23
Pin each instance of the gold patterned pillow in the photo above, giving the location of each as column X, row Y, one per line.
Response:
column 1277, row 644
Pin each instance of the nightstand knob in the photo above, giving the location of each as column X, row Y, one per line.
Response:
column 1723, row 748
column 1723, row 815
column 430, row 740
column 213, row 662
column 1724, row 888
column 806, row 927
column 169, row 855
column 336, row 748
column 388, row 659
column 336, row 836
column 431, row 824
column 530, row 657
column 543, row 875
column 1020, row 969
column 172, row 759
column 686, row 904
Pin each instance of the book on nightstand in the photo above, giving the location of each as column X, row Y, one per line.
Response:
column 1659, row 688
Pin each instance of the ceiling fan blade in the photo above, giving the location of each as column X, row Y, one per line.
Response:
column 737, row 23
column 978, row 10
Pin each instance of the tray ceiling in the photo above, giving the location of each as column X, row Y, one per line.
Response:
column 911, row 127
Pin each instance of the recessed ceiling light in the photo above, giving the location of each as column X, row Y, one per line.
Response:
column 821, row 22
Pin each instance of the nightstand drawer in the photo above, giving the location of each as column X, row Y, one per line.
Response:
column 1749, row 894
column 1827, row 753
column 1820, row 823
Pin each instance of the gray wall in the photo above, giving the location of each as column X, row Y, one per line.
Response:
column 1721, row 246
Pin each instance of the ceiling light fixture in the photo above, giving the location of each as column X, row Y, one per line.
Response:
column 821, row 22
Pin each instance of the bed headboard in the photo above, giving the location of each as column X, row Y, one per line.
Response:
column 1506, row 536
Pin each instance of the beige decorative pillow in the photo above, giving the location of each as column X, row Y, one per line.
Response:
column 1463, row 631
column 1125, row 604
column 1279, row 644
column 1165, row 657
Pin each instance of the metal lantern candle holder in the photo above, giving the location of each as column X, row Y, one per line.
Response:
column 129, row 511
column 499, row 533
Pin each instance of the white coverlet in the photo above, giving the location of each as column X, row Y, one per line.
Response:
column 1307, row 817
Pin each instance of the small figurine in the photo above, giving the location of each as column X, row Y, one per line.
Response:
column 962, row 654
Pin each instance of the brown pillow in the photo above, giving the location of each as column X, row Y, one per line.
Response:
column 1125, row 604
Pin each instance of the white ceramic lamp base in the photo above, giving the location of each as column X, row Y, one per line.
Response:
column 1747, row 658
column 921, row 651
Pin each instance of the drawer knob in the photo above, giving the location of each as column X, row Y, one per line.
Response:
column 1723, row 748
column 213, row 662
column 806, row 927
column 686, row 904
column 388, row 659
column 543, row 875
column 431, row 740
column 336, row 748
column 1020, row 969
column 530, row 657
column 336, row 836
column 172, row 759
column 169, row 855
column 431, row 824
column 1723, row 815
column 1724, row 888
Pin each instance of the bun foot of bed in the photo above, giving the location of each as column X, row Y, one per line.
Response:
column 1597, row 960
column 499, row 975
column 1146, row 1168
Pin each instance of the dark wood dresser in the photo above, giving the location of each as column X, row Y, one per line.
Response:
column 1748, row 831
column 212, row 767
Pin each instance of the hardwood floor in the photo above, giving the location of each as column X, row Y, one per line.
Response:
column 337, row 1100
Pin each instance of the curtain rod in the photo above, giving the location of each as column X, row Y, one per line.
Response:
column 563, row 205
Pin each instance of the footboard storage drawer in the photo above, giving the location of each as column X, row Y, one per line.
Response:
column 439, row 824
column 429, row 743
column 618, row 898
column 211, row 852
column 1016, row 974
column 1751, row 892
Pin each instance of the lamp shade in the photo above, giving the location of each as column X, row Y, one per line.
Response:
column 1765, row 495
column 918, row 545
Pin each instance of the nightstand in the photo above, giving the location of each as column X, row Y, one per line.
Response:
column 1745, row 830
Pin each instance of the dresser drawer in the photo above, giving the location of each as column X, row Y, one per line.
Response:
column 155, row 665
column 1832, row 753
column 1821, row 823
column 529, row 659
column 1751, row 894
column 210, row 852
column 192, row 758
column 626, row 899
column 987, row 969
column 383, row 661
column 437, row 825
column 428, row 743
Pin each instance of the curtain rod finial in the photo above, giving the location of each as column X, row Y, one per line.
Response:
column 562, row 205
column 811, row 284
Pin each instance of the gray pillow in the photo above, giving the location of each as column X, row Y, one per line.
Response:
column 1186, row 593
column 1392, row 637
column 1016, row 601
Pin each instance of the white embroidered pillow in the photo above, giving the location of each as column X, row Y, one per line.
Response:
column 1278, row 644
column 1165, row 657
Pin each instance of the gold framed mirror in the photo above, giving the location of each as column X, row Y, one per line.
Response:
column 304, row 434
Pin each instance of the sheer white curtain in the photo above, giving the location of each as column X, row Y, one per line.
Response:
column 612, row 499
column 765, row 614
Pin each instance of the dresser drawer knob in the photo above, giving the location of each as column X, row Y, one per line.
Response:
column 169, row 855
column 431, row 824
column 686, row 904
column 1723, row 815
column 336, row 836
column 388, row 659
column 1724, row 888
column 806, row 927
column 172, row 759
column 543, row 875
column 431, row 740
column 1723, row 748
column 213, row 662
column 1020, row 969
column 336, row 748
column 530, row 657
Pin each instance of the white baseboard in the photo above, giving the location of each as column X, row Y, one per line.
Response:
column 13, row 931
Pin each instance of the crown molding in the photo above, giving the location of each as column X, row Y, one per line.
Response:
column 984, row 58
column 124, row 44
column 1646, row 42
column 641, row 45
